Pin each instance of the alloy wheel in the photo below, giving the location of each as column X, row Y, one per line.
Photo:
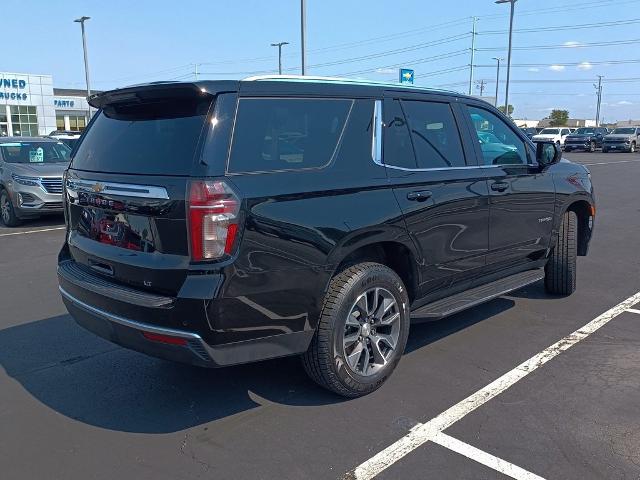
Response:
column 5, row 208
column 371, row 331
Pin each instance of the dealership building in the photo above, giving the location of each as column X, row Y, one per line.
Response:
column 30, row 105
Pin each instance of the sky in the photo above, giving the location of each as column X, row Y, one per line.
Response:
column 560, row 46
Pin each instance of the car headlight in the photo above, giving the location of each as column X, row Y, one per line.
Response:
column 22, row 180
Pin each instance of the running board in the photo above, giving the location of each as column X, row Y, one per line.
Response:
column 477, row 295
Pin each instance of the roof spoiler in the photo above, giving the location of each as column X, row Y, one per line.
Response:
column 151, row 91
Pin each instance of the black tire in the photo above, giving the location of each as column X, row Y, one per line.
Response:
column 7, row 213
column 605, row 150
column 325, row 360
column 592, row 147
column 567, row 149
column 560, row 270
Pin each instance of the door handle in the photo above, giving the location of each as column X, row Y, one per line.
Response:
column 419, row 196
column 499, row 186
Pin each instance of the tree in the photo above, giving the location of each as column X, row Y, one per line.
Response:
column 559, row 118
column 501, row 108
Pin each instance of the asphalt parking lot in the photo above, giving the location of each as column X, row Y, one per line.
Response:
column 505, row 390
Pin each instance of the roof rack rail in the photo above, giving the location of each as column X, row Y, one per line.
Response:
column 354, row 81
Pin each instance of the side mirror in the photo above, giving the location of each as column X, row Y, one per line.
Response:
column 548, row 153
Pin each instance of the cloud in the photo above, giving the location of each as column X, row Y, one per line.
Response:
column 624, row 102
column 585, row 66
column 572, row 44
column 557, row 68
column 533, row 69
column 386, row 70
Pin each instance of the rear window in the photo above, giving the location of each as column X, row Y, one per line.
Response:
column 154, row 138
column 286, row 134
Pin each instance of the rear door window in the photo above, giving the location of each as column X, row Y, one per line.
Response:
column 275, row 134
column 153, row 138
column 398, row 150
column 435, row 135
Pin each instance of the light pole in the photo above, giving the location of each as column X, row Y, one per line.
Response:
column 279, row 45
column 81, row 21
column 506, row 92
column 497, row 59
column 303, row 33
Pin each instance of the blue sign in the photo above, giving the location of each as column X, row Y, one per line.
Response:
column 63, row 103
column 406, row 76
column 13, row 83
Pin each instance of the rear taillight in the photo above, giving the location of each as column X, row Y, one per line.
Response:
column 213, row 219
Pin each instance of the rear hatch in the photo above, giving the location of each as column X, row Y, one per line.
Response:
column 128, row 181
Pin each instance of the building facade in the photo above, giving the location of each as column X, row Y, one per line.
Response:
column 31, row 106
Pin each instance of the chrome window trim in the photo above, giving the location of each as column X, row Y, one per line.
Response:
column 439, row 169
column 117, row 189
column 376, row 140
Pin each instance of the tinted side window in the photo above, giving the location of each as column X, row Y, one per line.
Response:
column 435, row 134
column 499, row 143
column 398, row 150
column 283, row 134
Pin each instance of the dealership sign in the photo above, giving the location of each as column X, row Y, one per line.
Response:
column 12, row 83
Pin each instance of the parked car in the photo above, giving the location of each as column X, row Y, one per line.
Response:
column 68, row 137
column 529, row 131
column 585, row 138
column 229, row 222
column 624, row 139
column 31, row 171
column 555, row 135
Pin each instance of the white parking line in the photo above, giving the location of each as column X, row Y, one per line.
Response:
column 469, row 451
column 611, row 163
column 32, row 231
column 423, row 433
column 633, row 310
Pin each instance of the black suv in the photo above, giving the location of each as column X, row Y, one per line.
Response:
column 223, row 222
column 585, row 138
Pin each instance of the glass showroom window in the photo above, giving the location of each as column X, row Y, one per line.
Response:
column 77, row 123
column 4, row 124
column 59, row 122
column 24, row 121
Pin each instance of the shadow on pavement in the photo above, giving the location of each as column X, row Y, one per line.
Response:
column 95, row 382
column 425, row 332
column 42, row 222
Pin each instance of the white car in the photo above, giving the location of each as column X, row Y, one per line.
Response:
column 555, row 135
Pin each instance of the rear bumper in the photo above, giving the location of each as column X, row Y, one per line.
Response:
column 188, row 347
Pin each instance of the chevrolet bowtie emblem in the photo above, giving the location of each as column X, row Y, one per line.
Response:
column 98, row 187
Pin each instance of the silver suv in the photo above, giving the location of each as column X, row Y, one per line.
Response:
column 622, row 139
column 31, row 171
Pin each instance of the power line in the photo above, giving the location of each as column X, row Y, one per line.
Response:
column 564, row 46
column 582, row 26
column 568, row 64
column 409, row 48
column 415, row 61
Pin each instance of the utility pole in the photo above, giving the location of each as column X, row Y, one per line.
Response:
column 81, row 21
column 481, row 84
column 506, row 94
column 497, row 59
column 279, row 45
column 598, row 88
column 303, row 33
column 473, row 52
